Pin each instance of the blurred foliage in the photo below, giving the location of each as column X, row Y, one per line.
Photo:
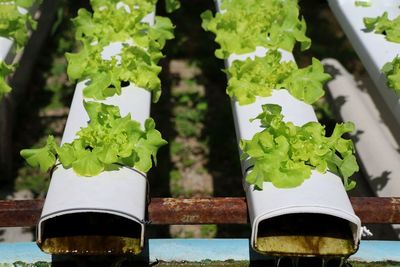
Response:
column 46, row 107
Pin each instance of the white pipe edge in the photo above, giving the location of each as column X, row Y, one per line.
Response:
column 322, row 193
column 122, row 192
column 373, row 49
column 6, row 54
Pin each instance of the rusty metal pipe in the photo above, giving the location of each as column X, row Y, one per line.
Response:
column 374, row 210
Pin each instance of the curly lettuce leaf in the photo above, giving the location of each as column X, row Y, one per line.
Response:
column 108, row 140
column 44, row 157
column 259, row 76
column 392, row 72
column 307, row 84
column 244, row 25
column 13, row 24
column 134, row 64
column 383, row 25
column 137, row 60
column 285, row 154
column 172, row 5
column 5, row 70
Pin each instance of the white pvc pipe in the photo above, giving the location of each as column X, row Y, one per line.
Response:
column 375, row 138
column 121, row 192
column 5, row 50
column 320, row 194
column 373, row 49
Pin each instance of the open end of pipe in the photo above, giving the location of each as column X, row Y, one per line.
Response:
column 90, row 233
column 305, row 234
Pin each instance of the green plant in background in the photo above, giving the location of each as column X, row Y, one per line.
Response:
column 208, row 230
column 109, row 141
column 285, row 154
column 189, row 112
column 259, row 76
column 383, row 25
column 244, row 25
column 33, row 180
column 392, row 72
column 172, row 5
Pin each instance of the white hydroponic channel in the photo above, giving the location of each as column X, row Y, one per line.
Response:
column 373, row 49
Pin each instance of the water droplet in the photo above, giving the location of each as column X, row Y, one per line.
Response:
column 324, row 262
column 295, row 262
column 278, row 261
column 343, row 262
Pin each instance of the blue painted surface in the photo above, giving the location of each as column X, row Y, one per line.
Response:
column 378, row 251
column 201, row 249
column 27, row 252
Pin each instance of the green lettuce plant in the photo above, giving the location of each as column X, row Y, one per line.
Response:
column 363, row 3
column 137, row 62
column 285, row 154
column 244, row 25
column 383, row 25
column 259, row 76
column 5, row 70
column 108, row 142
column 392, row 72
column 14, row 24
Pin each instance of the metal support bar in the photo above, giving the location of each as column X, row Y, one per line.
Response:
column 375, row 210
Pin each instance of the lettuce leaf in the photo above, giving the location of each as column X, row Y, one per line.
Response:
column 383, row 25
column 172, row 5
column 244, row 25
column 137, row 61
column 285, row 154
column 392, row 72
column 259, row 76
column 5, row 70
column 13, row 24
column 109, row 140
column 363, row 3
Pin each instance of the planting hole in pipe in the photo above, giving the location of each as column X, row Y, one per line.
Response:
column 90, row 233
column 305, row 234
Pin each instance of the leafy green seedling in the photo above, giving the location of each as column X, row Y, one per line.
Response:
column 363, row 3
column 14, row 23
column 385, row 26
column 108, row 141
column 5, row 70
column 137, row 60
column 285, row 154
column 244, row 25
column 392, row 72
column 259, row 76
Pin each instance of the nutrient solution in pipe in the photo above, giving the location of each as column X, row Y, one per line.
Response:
column 91, row 233
column 92, row 245
column 305, row 234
